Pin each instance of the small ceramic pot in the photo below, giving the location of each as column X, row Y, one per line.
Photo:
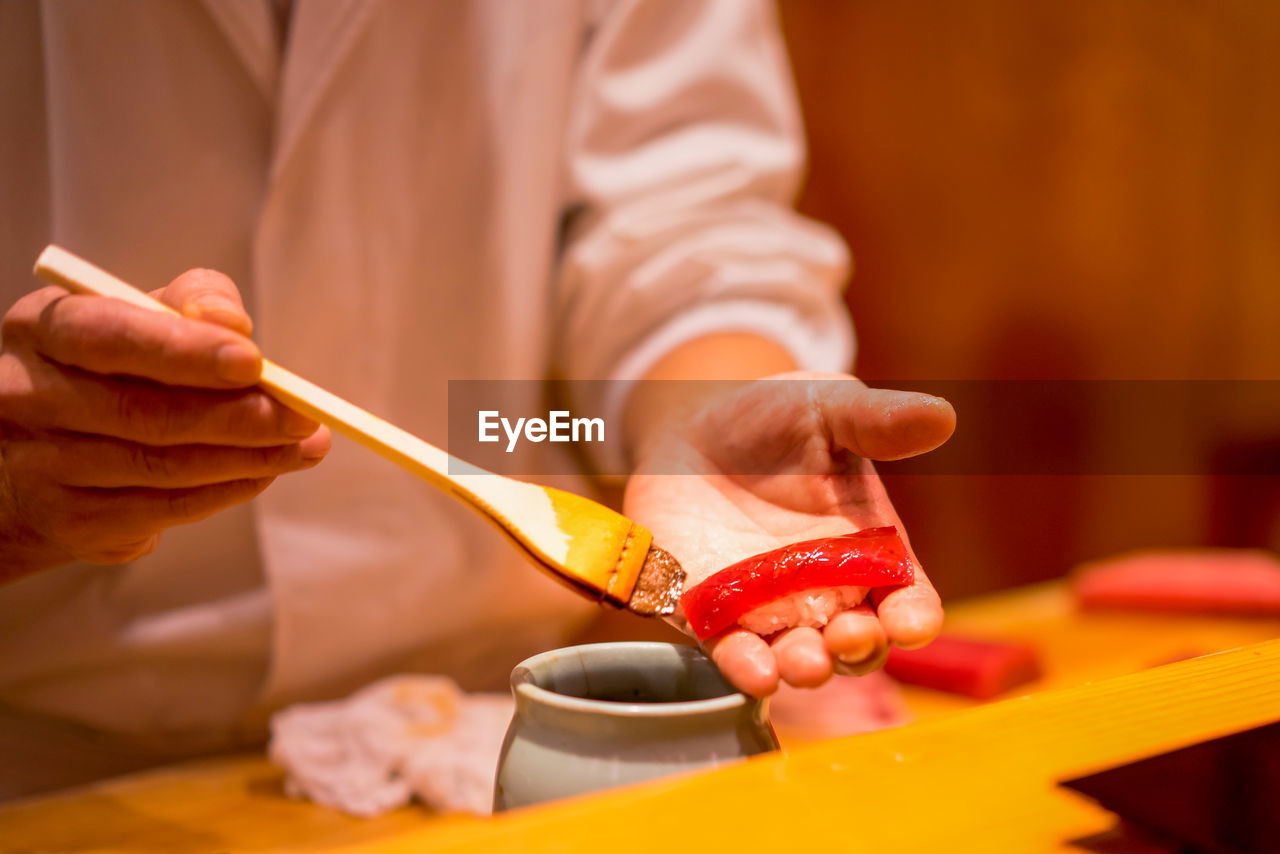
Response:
column 602, row 715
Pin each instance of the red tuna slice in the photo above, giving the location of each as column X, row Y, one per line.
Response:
column 875, row 557
column 974, row 668
column 1207, row 581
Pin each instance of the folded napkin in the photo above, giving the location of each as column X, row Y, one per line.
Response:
column 399, row 737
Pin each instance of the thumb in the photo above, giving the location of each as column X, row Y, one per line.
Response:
column 881, row 424
column 207, row 295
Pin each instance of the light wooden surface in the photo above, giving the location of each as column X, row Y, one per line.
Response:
column 975, row 780
column 1079, row 647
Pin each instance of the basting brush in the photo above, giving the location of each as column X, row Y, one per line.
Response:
column 594, row 550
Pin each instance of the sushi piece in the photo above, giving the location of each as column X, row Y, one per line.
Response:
column 803, row 584
column 1205, row 581
column 804, row 608
column 973, row 668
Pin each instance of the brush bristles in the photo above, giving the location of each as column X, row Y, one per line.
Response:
column 658, row 586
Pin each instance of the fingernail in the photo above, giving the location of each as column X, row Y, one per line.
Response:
column 317, row 452
column 218, row 309
column 203, row 307
column 213, row 304
column 297, row 424
column 238, row 364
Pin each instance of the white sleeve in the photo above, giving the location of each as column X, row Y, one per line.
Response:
column 684, row 151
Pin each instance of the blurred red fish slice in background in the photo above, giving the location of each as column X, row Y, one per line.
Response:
column 971, row 667
column 1221, row 581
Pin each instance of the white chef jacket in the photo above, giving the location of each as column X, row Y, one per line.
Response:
column 411, row 192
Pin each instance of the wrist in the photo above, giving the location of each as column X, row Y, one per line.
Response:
column 660, row 403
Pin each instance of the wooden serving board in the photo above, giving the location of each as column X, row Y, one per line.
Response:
column 974, row 781
column 978, row 779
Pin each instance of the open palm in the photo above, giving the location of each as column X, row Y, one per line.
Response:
column 778, row 461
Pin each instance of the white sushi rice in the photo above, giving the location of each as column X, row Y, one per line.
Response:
column 813, row 608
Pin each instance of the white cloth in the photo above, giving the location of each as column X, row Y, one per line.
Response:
column 400, row 737
column 414, row 192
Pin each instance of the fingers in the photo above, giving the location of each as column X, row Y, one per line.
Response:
column 45, row 398
column 119, row 422
column 107, row 526
column 61, row 349
column 105, row 501
column 110, row 337
column 209, row 296
column 856, row 640
column 89, row 461
column 912, row 615
column 802, row 657
column 316, row 446
column 862, row 668
column 852, row 644
column 881, row 424
column 746, row 661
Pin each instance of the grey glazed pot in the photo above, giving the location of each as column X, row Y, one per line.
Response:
column 602, row 715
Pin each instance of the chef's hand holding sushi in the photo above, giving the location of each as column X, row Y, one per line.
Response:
column 773, row 462
column 118, row 423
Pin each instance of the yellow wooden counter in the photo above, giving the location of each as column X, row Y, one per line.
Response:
column 957, row 780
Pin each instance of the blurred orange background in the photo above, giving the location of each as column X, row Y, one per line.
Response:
column 1080, row 191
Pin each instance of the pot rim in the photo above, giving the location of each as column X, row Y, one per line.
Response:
column 522, row 685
